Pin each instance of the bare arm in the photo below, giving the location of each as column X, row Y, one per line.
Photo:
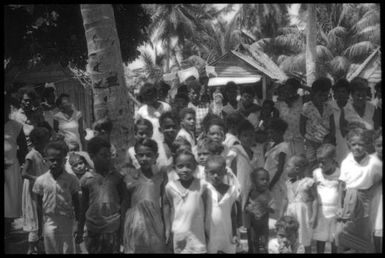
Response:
column 234, row 222
column 332, row 133
column 76, row 204
column 343, row 123
column 302, row 125
column 26, row 171
column 84, row 204
column 82, row 133
column 313, row 218
column 167, row 216
column 281, row 164
column 40, row 214
column 22, row 147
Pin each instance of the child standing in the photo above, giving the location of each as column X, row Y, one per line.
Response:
column 34, row 166
column 359, row 172
column 185, row 205
column 276, row 157
column 103, row 128
column 233, row 120
column 58, row 197
column 102, row 195
column 169, row 127
column 259, row 204
column 144, row 227
column 326, row 179
column 317, row 121
column 187, row 124
column 221, row 208
column 301, row 199
column 143, row 129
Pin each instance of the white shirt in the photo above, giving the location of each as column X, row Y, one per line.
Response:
column 351, row 114
column 361, row 175
column 327, row 190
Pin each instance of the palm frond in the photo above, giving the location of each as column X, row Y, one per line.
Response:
column 339, row 66
column 370, row 33
column 295, row 63
column 359, row 50
column 370, row 18
column 323, row 53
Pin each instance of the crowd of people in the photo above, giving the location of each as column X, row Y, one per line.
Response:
column 206, row 174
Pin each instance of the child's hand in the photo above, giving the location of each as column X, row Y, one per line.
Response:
column 78, row 235
column 235, row 240
column 312, row 223
column 167, row 236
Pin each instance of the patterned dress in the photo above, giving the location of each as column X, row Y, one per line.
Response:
column 300, row 207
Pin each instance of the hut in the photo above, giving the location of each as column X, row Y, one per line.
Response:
column 246, row 65
column 64, row 82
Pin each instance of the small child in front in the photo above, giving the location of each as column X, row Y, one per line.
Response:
column 222, row 221
column 302, row 199
column 58, row 198
column 185, row 205
column 259, row 204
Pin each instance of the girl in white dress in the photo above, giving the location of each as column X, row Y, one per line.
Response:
column 326, row 179
column 221, row 210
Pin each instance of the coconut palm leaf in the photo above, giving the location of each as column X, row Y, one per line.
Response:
column 359, row 51
column 370, row 18
column 323, row 53
column 370, row 33
column 339, row 66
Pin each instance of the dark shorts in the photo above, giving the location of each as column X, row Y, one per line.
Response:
column 102, row 243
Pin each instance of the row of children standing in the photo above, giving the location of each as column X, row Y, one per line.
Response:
column 181, row 193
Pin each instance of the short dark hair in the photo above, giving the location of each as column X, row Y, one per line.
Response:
column 143, row 121
column 342, row 83
column 186, row 111
column 147, row 143
column 363, row 133
column 214, row 147
column 245, row 125
column 29, row 91
column 359, row 84
column 248, row 89
column 233, row 120
column 287, row 224
column 59, row 100
column 147, row 89
column 217, row 159
column 184, row 152
column 277, row 124
column 37, row 134
column 321, row 84
column 231, row 85
column 57, row 145
column 167, row 115
column 96, row 144
column 377, row 134
column 104, row 124
column 254, row 173
column 182, row 95
column 294, row 82
column 268, row 102
column 214, row 121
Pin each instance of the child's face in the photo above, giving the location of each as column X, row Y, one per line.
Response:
column 247, row 138
column 216, row 133
column 102, row 159
column 143, row 132
column 341, row 95
column 79, row 166
column 326, row 164
column 320, row 97
column 285, row 239
column 261, row 181
column 146, row 157
column 357, row 147
column 247, row 99
column 378, row 146
column 203, row 155
column 274, row 135
column 293, row 168
column 185, row 166
column 194, row 96
column 359, row 98
column 180, row 103
column 215, row 173
column 188, row 122
column 55, row 160
column 169, row 129
column 266, row 109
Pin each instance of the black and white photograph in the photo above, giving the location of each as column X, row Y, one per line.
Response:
column 192, row 128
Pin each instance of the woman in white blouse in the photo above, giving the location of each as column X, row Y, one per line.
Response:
column 68, row 122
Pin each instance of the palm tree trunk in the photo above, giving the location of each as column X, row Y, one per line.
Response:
column 311, row 38
column 105, row 67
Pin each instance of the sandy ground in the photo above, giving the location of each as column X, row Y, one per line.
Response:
column 18, row 244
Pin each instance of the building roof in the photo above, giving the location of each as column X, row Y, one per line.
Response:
column 247, row 61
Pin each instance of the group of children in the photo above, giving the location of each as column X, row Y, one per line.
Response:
column 187, row 191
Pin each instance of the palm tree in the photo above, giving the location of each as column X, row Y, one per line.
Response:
column 311, row 37
column 105, row 68
column 347, row 35
column 179, row 21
